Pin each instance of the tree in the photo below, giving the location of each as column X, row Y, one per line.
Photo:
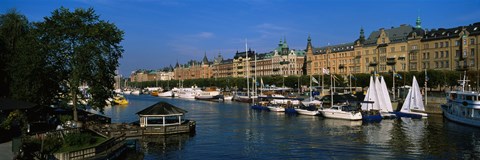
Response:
column 84, row 50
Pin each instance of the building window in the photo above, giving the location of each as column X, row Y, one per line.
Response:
column 414, row 47
column 424, row 65
column 402, row 48
column 446, row 54
column 446, row 64
column 436, row 45
column 458, row 53
column 457, row 43
column 436, row 54
column 473, row 52
column 472, row 63
column 392, row 49
column 436, row 64
column 472, row 41
column 428, row 55
column 446, row 44
column 425, row 46
column 424, row 55
column 441, row 64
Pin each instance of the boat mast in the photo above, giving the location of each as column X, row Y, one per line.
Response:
column 426, row 86
column 255, row 75
column 248, row 78
column 311, row 97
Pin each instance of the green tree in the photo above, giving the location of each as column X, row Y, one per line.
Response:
column 84, row 50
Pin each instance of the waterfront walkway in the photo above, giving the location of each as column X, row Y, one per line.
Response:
column 6, row 150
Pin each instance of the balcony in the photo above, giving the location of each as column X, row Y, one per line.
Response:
column 373, row 64
column 276, row 69
column 391, row 61
column 341, row 66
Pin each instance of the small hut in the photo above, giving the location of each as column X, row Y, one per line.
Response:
column 161, row 114
column 164, row 118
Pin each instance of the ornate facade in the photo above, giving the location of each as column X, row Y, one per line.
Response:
column 403, row 48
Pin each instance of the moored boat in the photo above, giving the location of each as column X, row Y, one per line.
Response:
column 413, row 105
column 463, row 106
column 346, row 112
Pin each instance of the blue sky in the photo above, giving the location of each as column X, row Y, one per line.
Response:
column 160, row 32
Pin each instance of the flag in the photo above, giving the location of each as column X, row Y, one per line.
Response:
column 426, row 76
column 353, row 77
column 326, row 71
column 399, row 76
column 314, row 80
column 334, row 77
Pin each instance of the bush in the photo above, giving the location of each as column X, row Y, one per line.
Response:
column 79, row 139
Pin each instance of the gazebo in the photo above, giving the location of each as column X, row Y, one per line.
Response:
column 161, row 114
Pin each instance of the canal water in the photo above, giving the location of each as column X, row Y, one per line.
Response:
column 231, row 130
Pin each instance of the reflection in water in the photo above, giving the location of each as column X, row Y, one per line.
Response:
column 232, row 130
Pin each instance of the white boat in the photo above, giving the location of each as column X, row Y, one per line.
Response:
column 413, row 105
column 127, row 92
column 188, row 93
column 463, row 106
column 342, row 112
column 166, row 94
column 306, row 111
column 387, row 110
column 276, row 108
column 136, row 92
column 227, row 98
column 208, row 93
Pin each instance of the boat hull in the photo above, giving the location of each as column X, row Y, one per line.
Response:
column 450, row 116
column 411, row 114
column 307, row 112
column 342, row 115
column 276, row 109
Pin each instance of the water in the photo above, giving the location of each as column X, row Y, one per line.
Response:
column 232, row 130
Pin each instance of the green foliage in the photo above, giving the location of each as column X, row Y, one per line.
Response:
column 15, row 118
column 79, row 139
column 33, row 147
column 84, row 50
column 65, row 118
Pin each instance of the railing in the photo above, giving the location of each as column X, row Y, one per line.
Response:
column 101, row 150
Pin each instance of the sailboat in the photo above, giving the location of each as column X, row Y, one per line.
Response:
column 413, row 103
column 371, row 105
column 387, row 110
column 344, row 111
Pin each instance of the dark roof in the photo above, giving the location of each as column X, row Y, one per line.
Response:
column 10, row 104
column 395, row 34
column 334, row 48
column 162, row 108
column 442, row 33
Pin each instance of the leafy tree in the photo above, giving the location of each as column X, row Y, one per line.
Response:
column 84, row 50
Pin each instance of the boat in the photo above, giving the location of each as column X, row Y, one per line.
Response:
column 277, row 107
column 463, row 106
column 210, row 93
column 166, row 94
column 311, row 110
column 242, row 97
column 120, row 100
column 371, row 104
column 387, row 110
column 136, row 92
column 346, row 112
column 413, row 105
column 153, row 93
column 227, row 98
column 188, row 93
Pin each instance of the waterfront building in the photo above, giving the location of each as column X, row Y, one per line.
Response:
column 152, row 75
column 404, row 48
column 193, row 70
column 447, row 49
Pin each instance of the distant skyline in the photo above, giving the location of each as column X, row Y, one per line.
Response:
column 160, row 32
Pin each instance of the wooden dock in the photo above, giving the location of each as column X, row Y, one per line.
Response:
column 129, row 130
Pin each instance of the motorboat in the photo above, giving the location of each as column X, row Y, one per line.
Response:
column 346, row 112
column 463, row 106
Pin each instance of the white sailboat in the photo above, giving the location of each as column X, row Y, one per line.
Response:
column 371, row 105
column 413, row 103
column 384, row 99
